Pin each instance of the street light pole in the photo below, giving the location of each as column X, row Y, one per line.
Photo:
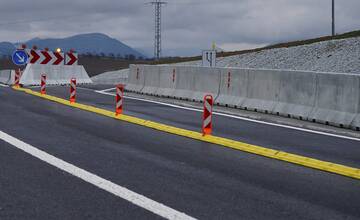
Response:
column 333, row 17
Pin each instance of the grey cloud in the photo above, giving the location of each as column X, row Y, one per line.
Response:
column 186, row 23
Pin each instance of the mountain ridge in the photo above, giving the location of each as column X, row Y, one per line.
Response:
column 90, row 43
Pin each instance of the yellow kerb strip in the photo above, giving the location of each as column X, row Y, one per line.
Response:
column 266, row 152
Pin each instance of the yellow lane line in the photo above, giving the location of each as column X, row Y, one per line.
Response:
column 266, row 152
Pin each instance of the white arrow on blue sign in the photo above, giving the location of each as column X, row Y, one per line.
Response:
column 20, row 57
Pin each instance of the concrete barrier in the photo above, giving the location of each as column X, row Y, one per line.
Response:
column 337, row 99
column 55, row 75
column 355, row 124
column 112, row 77
column 5, row 76
column 185, row 82
column 263, row 90
column 192, row 83
column 297, row 94
column 322, row 97
column 151, row 79
column 136, row 78
column 168, row 78
column 233, row 87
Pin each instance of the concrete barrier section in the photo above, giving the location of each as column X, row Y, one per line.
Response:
column 185, row 82
column 151, row 79
column 207, row 81
column 55, row 75
column 5, row 76
column 136, row 78
column 263, row 90
column 168, row 78
column 337, row 99
column 233, row 87
column 112, row 77
column 193, row 83
column 356, row 122
column 297, row 94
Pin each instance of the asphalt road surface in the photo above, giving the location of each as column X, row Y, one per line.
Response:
column 202, row 180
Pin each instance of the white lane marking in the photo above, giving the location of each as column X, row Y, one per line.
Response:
column 122, row 192
column 105, row 92
column 3, row 85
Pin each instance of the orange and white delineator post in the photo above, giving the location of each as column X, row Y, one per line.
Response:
column 207, row 115
column 43, row 84
column 119, row 99
column 72, row 90
column 17, row 78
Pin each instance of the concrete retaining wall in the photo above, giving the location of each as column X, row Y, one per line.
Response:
column 321, row 97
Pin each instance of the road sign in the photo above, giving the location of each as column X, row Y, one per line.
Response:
column 71, row 58
column 46, row 57
column 20, row 57
column 209, row 58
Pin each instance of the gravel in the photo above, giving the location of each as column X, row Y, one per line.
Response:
column 340, row 56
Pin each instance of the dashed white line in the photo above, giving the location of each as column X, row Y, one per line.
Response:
column 106, row 92
column 117, row 190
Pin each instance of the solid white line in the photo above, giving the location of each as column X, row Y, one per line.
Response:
column 122, row 192
column 104, row 92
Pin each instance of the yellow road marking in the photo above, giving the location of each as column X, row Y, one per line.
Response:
column 237, row 145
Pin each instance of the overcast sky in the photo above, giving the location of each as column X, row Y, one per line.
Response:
column 188, row 25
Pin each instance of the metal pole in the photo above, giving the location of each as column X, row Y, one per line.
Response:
column 333, row 17
column 157, row 44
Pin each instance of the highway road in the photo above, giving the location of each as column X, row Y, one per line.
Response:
column 189, row 177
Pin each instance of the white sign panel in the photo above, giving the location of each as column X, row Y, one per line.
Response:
column 209, row 58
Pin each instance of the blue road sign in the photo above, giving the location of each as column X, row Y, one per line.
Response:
column 20, row 57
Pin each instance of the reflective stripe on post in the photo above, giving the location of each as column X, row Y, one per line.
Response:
column 119, row 99
column 43, row 84
column 73, row 90
column 207, row 116
column 228, row 80
column 173, row 75
column 17, row 78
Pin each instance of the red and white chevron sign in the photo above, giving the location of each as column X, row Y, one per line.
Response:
column 45, row 57
column 71, row 58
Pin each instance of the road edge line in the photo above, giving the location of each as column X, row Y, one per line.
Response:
column 236, row 145
column 124, row 193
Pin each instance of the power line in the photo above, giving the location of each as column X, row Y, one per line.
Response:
column 157, row 44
